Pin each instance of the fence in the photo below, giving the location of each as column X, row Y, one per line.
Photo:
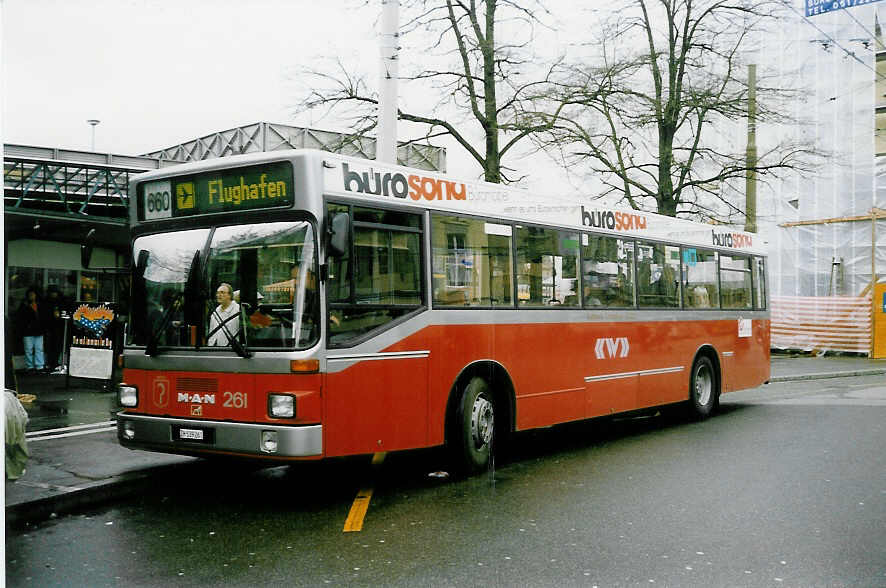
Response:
column 812, row 323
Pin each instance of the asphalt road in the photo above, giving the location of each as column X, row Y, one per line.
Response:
column 786, row 486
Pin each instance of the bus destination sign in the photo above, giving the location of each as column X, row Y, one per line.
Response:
column 245, row 188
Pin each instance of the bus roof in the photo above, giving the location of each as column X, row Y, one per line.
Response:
column 377, row 182
column 374, row 182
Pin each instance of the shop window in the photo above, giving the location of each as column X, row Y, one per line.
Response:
column 96, row 287
column 20, row 279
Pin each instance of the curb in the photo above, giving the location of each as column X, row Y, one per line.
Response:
column 93, row 494
column 829, row 375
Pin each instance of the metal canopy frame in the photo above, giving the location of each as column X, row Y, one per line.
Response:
column 263, row 136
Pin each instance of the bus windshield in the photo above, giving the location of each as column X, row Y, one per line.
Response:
column 241, row 286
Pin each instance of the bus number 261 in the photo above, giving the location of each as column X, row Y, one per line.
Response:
column 235, row 400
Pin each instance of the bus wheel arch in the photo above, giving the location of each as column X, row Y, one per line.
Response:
column 482, row 391
column 705, row 383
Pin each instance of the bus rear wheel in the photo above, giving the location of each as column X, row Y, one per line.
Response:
column 703, row 392
column 473, row 432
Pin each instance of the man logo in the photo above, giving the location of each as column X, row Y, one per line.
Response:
column 161, row 392
column 184, row 195
column 612, row 348
column 196, row 410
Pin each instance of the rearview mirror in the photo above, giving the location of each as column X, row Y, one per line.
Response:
column 339, row 234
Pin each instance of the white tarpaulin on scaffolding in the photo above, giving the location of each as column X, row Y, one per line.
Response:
column 822, row 252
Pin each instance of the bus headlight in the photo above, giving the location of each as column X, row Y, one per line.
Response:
column 128, row 395
column 281, row 406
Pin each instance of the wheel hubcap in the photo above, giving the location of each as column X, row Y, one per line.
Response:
column 482, row 421
column 703, row 385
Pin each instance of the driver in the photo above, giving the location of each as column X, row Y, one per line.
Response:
column 224, row 323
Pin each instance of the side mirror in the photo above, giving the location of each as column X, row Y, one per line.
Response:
column 339, row 234
column 86, row 248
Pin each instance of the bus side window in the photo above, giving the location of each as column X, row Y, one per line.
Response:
column 382, row 281
column 471, row 262
column 700, row 278
column 735, row 281
column 547, row 267
column 607, row 272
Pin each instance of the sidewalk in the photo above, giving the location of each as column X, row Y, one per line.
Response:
column 65, row 473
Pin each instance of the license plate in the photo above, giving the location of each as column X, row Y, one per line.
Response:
column 190, row 434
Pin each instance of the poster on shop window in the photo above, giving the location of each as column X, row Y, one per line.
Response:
column 91, row 351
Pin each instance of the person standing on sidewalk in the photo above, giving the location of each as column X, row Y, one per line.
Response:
column 32, row 324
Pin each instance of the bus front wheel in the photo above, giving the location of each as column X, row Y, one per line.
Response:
column 703, row 390
column 474, row 428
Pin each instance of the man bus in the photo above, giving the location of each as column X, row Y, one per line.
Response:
column 381, row 308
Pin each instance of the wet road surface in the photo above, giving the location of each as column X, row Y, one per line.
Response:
column 786, row 486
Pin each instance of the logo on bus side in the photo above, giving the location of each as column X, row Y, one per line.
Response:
column 612, row 347
column 735, row 240
column 400, row 186
column 612, row 220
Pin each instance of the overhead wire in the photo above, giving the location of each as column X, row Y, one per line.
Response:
column 834, row 41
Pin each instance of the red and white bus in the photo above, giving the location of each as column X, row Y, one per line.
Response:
column 304, row 305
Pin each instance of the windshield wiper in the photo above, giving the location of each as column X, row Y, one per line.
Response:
column 233, row 340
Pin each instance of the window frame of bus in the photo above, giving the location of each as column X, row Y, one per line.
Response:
column 256, row 216
column 678, row 275
column 517, row 227
column 633, row 263
column 261, row 219
column 332, row 206
column 683, row 265
column 749, row 271
column 441, row 305
column 759, row 282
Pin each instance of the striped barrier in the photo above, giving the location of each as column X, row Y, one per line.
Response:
column 814, row 323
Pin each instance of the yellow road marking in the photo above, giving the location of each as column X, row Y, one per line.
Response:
column 354, row 522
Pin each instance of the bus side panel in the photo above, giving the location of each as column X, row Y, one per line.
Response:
column 751, row 359
column 546, row 364
column 376, row 405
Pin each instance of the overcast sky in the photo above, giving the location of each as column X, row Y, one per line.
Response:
column 159, row 72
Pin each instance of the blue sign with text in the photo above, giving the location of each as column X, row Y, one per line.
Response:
column 814, row 7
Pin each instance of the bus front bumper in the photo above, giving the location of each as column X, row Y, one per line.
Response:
column 192, row 437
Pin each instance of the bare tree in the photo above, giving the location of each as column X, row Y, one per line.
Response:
column 649, row 116
column 482, row 84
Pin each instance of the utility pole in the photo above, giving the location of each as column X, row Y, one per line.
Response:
column 750, row 224
column 386, row 144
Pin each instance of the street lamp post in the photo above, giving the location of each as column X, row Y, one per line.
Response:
column 92, row 122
